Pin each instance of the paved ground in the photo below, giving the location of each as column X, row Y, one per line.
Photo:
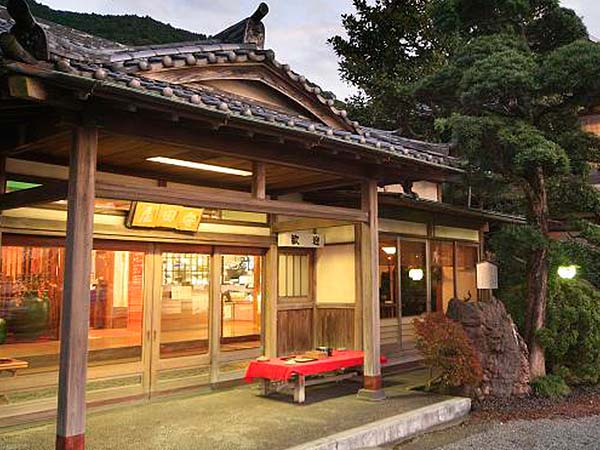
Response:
column 556, row 434
column 234, row 419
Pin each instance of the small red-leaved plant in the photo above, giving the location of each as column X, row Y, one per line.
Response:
column 448, row 352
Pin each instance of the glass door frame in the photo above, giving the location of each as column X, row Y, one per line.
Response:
column 219, row 356
column 399, row 240
column 113, row 369
column 156, row 364
column 212, row 359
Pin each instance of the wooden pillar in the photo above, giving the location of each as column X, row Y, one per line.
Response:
column 216, row 316
column 259, row 181
column 70, row 430
column 369, row 249
column 272, row 294
column 2, row 191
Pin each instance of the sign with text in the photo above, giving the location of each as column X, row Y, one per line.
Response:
column 173, row 217
column 300, row 239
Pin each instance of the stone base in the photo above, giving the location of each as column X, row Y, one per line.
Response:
column 371, row 395
column 70, row 442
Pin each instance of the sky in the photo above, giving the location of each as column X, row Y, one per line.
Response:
column 297, row 30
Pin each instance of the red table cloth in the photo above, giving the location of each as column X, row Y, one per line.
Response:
column 276, row 369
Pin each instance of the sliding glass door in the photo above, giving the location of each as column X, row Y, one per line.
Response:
column 184, row 304
column 241, row 302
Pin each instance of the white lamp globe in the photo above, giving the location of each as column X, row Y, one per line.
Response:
column 567, row 272
column 416, row 274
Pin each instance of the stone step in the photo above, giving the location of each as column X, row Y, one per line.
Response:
column 394, row 428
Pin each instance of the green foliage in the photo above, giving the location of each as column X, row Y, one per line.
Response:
column 556, row 28
column 389, row 45
column 550, row 386
column 447, row 349
column 512, row 244
column 126, row 29
column 572, row 333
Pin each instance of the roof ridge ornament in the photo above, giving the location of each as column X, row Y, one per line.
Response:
column 250, row 30
column 26, row 41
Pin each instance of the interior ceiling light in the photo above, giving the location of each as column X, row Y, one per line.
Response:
column 389, row 250
column 199, row 166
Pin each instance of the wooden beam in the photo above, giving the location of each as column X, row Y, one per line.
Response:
column 26, row 88
column 34, row 131
column 70, row 429
column 305, row 224
column 186, row 135
column 334, row 184
column 271, row 299
column 223, row 199
column 259, row 181
column 369, row 240
column 51, row 192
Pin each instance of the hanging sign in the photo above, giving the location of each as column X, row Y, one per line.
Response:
column 157, row 215
column 487, row 275
column 300, row 239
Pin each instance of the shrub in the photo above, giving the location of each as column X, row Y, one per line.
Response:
column 571, row 337
column 550, row 386
column 447, row 350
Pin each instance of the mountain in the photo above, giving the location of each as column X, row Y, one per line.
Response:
column 127, row 29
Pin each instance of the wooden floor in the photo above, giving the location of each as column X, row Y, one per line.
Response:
column 119, row 343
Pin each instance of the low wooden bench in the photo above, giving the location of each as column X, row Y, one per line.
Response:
column 298, row 384
column 277, row 375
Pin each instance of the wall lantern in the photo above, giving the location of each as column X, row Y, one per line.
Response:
column 567, row 272
column 416, row 274
column 487, row 275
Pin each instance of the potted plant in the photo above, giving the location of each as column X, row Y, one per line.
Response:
column 29, row 315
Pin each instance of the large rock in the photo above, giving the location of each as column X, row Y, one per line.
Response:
column 501, row 350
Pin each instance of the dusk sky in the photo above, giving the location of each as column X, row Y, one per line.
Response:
column 296, row 30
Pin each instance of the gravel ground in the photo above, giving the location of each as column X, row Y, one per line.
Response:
column 544, row 434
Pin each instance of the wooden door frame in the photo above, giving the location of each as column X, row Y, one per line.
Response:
column 295, row 303
column 214, row 356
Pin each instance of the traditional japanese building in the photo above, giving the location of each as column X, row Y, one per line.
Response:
column 171, row 212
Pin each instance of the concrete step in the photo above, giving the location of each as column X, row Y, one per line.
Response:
column 394, row 428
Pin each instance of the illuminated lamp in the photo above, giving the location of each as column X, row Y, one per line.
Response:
column 567, row 272
column 389, row 250
column 199, row 166
column 416, row 274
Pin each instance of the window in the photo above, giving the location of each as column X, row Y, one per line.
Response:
column 466, row 272
column 294, row 275
column 388, row 279
column 241, row 302
column 413, row 277
column 185, row 304
column 442, row 275
column 31, row 296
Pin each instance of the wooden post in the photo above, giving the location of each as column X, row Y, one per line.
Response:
column 272, row 294
column 70, row 428
column 2, row 191
column 358, row 316
column 259, row 181
column 369, row 249
column 216, row 316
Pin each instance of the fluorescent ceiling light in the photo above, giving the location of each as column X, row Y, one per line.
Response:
column 199, row 166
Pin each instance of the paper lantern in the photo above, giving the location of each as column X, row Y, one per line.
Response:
column 487, row 275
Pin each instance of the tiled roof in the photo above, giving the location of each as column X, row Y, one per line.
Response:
column 79, row 54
